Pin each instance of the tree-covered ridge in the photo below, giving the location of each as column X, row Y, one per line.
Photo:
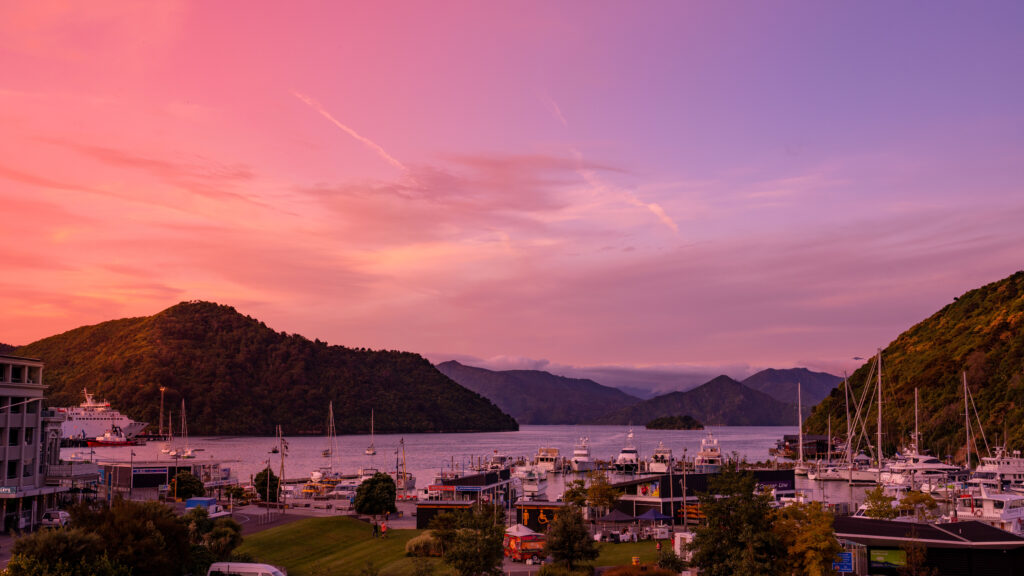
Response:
column 721, row 402
column 980, row 334
column 537, row 397
column 237, row 376
column 7, row 348
column 685, row 422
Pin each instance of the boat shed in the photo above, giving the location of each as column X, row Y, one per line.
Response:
column 493, row 486
column 147, row 479
column 955, row 549
column 676, row 494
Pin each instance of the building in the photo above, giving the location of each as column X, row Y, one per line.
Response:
column 954, row 549
column 29, row 444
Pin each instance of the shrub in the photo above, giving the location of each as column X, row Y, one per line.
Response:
column 563, row 570
column 423, row 545
column 646, row 570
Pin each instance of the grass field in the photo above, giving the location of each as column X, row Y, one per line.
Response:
column 338, row 545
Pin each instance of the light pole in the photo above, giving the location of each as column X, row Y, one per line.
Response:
column 175, row 477
column 162, row 390
column 131, row 474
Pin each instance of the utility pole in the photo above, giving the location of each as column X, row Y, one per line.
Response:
column 162, row 390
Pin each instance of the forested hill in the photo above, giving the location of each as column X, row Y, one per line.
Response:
column 720, row 402
column 782, row 384
column 6, row 348
column 237, row 376
column 981, row 334
column 537, row 397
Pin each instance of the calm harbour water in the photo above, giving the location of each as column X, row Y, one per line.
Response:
column 427, row 454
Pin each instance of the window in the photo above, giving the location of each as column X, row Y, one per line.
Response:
column 27, row 469
column 13, row 436
column 30, row 436
column 12, row 469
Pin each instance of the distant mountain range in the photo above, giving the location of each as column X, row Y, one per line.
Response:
column 980, row 336
column 720, row 402
column 537, row 397
column 237, row 376
column 782, row 384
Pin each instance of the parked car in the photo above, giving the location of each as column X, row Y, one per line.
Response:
column 244, row 569
column 55, row 519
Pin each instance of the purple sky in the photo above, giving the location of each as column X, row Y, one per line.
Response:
column 670, row 186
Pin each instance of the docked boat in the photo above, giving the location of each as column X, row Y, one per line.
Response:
column 661, row 460
column 547, row 459
column 1001, row 470
column 628, row 460
column 93, row 418
column 534, row 482
column 405, row 481
column 371, row 450
column 185, row 450
column 709, row 459
column 911, row 469
column 1002, row 510
column 113, row 437
column 581, row 461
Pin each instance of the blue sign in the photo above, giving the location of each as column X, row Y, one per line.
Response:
column 844, row 562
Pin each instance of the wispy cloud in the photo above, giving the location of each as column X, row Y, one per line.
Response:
column 363, row 139
column 598, row 185
column 553, row 107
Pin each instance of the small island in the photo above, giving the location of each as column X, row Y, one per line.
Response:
column 675, row 423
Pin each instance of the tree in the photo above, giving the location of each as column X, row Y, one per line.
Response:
column 576, row 493
column 917, row 554
column 474, row 547
column 601, row 494
column 736, row 537
column 568, row 540
column 879, row 504
column 376, row 495
column 921, row 504
column 184, row 485
column 264, row 481
column 73, row 552
column 810, row 541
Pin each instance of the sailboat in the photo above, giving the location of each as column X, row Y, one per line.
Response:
column 329, row 451
column 166, row 448
column 801, row 467
column 185, row 451
column 370, row 450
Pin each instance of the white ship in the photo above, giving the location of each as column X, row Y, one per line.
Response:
column 93, row 418
column 581, row 461
column 628, row 460
column 661, row 461
column 709, row 459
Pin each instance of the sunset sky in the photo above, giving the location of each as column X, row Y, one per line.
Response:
column 670, row 186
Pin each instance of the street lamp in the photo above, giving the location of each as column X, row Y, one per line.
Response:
column 131, row 474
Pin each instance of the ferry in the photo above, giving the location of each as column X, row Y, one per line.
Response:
column 92, row 419
column 113, row 437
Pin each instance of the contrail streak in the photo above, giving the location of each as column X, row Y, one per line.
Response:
column 366, row 141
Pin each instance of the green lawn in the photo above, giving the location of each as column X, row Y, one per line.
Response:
column 338, row 545
column 621, row 554
column 331, row 545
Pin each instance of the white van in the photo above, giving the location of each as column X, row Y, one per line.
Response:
column 244, row 569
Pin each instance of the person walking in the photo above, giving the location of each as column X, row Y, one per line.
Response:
column 376, row 530
column 384, row 530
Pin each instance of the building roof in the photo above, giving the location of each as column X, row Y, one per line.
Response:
column 21, row 358
column 970, row 534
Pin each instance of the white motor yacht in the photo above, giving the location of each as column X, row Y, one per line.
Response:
column 547, row 459
column 628, row 460
column 661, row 460
column 709, row 459
column 581, row 461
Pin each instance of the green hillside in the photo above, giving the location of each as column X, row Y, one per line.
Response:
column 981, row 334
column 237, row 376
column 720, row 402
column 537, row 397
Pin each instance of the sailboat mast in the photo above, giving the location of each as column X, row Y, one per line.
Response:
column 800, row 420
column 879, row 414
column 849, row 433
column 917, row 438
column 967, row 422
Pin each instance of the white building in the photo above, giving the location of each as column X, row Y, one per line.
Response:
column 29, row 444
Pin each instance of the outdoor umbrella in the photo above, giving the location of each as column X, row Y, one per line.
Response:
column 519, row 530
column 616, row 516
column 653, row 515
